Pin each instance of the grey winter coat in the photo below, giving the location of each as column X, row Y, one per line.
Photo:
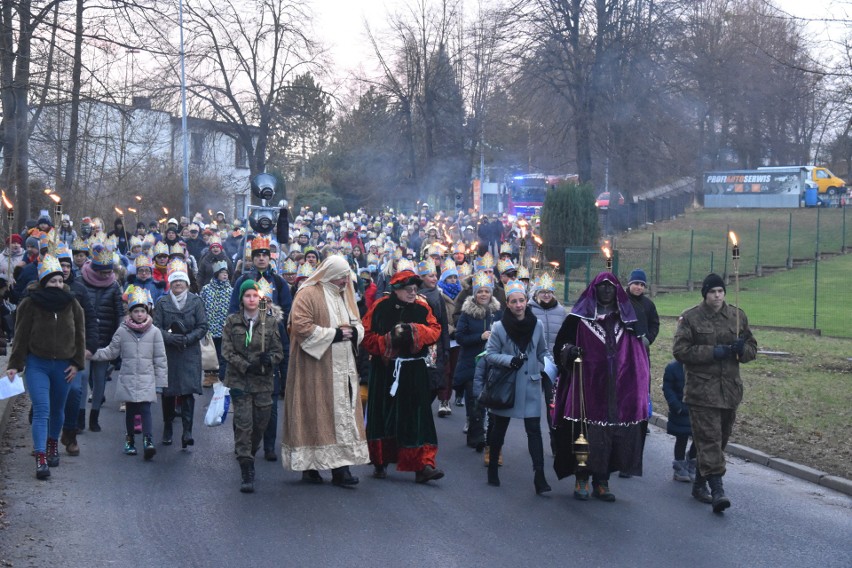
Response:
column 528, row 394
column 551, row 318
column 143, row 363
column 184, row 363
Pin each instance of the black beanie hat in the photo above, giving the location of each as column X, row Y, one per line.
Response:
column 712, row 280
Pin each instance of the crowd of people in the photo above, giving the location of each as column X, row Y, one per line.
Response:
column 361, row 322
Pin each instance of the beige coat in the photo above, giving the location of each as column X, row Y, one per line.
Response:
column 323, row 418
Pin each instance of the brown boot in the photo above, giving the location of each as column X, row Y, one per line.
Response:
column 69, row 440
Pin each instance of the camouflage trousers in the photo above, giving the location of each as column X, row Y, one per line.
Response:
column 251, row 416
column 711, row 428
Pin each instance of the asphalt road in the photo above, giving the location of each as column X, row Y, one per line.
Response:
column 184, row 509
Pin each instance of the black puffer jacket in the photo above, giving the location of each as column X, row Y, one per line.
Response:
column 109, row 310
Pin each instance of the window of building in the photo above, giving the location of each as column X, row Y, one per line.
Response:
column 240, row 156
column 197, row 147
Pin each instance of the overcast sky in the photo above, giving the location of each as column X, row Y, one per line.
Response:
column 340, row 24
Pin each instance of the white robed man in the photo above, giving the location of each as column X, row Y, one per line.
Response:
column 323, row 417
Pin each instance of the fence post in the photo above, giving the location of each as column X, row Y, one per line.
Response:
column 758, row 269
column 790, row 243
column 711, row 262
column 725, row 272
column 816, row 269
column 651, row 262
column 657, row 268
column 567, row 268
column 843, row 238
column 689, row 283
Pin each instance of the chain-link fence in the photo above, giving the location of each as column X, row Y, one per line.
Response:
column 793, row 269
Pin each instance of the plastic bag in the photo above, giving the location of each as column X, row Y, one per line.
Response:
column 217, row 412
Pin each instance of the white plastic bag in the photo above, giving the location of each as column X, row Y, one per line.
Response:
column 217, row 412
column 8, row 388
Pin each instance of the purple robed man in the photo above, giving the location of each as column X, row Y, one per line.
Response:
column 616, row 378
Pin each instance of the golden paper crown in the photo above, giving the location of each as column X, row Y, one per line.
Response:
column 161, row 248
column 448, row 264
column 397, row 253
column 545, row 282
column 515, row 286
column 177, row 248
column 504, row 266
column 48, row 266
column 464, row 270
column 482, row 280
column 405, row 264
column 143, row 261
column 289, row 267
column 506, row 248
column 62, row 252
column 260, row 244
column 484, row 262
column 434, row 250
column 265, row 288
column 135, row 241
column 459, row 247
column 178, row 265
column 426, row 267
column 523, row 273
column 137, row 296
column 305, row 270
column 80, row 245
column 101, row 254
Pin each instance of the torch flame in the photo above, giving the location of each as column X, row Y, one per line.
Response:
column 607, row 253
column 163, row 220
column 47, row 191
column 6, row 201
column 554, row 264
column 55, row 198
column 165, row 211
column 118, row 210
column 138, row 198
column 131, row 209
column 733, row 237
column 210, row 212
column 538, row 240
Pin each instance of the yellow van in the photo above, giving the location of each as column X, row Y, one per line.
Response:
column 828, row 183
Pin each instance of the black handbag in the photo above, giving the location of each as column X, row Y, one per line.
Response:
column 499, row 390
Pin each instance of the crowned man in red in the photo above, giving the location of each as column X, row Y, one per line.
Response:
column 399, row 329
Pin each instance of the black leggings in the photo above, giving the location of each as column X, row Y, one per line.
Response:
column 497, row 434
column 134, row 408
column 680, row 447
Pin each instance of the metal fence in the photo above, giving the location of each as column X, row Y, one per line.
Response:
column 793, row 269
column 633, row 215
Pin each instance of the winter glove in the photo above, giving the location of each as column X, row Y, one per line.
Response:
column 266, row 359
column 338, row 336
column 738, row 347
column 517, row 362
column 254, row 368
column 569, row 353
column 180, row 342
column 721, row 352
column 646, row 342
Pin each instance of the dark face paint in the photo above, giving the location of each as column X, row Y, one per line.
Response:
column 605, row 293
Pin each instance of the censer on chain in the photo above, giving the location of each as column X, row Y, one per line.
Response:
column 581, row 444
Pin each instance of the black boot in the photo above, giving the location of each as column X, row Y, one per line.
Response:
column 168, row 416
column 540, row 482
column 342, row 477
column 247, row 471
column 493, row 465
column 93, row 421
column 720, row 502
column 186, row 414
column 42, row 469
column 52, row 452
column 699, row 489
column 167, row 434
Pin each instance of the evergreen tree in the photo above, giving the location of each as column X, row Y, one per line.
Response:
column 569, row 219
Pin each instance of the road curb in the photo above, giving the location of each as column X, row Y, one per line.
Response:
column 821, row 478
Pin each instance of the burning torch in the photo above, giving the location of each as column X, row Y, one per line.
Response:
column 608, row 255
column 735, row 257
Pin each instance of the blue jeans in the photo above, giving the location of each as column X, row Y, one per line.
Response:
column 72, row 403
column 48, row 389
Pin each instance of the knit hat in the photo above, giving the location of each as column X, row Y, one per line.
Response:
column 31, row 242
column 637, row 275
column 247, row 285
column 15, row 239
column 712, row 280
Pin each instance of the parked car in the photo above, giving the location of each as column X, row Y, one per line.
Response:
column 602, row 202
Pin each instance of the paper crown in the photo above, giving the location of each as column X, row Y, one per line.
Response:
column 464, row 270
column 260, row 244
column 405, row 264
column 137, row 296
column 426, row 267
column 397, row 253
column 135, row 241
column 484, row 262
column 112, row 242
column 372, row 259
column 44, row 241
column 177, row 249
column 177, row 265
column 506, row 248
column 80, row 245
column 434, row 250
column 545, row 282
column 161, row 248
column 143, row 261
column 214, row 240
column 305, row 270
column 289, row 267
column 265, row 288
column 504, row 266
column 149, row 240
column 49, row 266
column 101, row 256
column 482, row 280
column 459, row 247
column 449, row 266
column 515, row 286
column 523, row 273
column 62, row 252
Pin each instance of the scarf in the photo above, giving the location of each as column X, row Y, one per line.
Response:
column 519, row 331
column 139, row 328
column 97, row 278
column 451, row 290
column 179, row 300
column 51, row 299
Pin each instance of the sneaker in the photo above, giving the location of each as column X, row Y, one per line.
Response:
column 122, row 407
column 129, row 446
column 581, row 490
column 149, row 449
column 601, row 491
column 444, row 409
column 459, row 400
column 466, row 426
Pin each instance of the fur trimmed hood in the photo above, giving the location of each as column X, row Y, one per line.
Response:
column 474, row 310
